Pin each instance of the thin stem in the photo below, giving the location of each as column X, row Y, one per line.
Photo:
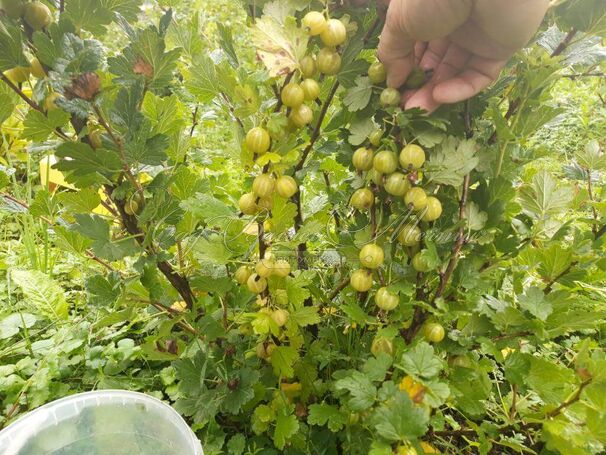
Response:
column 336, row 291
column 318, row 129
column 452, row 264
column 594, row 227
column 573, row 399
column 550, row 284
column 32, row 104
column 287, row 80
column 116, row 140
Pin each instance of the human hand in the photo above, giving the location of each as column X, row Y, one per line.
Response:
column 465, row 43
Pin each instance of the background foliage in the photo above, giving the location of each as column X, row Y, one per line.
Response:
column 93, row 296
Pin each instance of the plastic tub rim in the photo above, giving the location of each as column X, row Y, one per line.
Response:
column 27, row 424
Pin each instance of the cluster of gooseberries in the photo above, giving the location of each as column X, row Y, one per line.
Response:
column 297, row 97
column 35, row 14
column 397, row 177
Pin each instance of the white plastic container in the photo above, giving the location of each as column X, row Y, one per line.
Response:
column 105, row 422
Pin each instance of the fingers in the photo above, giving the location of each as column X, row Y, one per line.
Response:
column 411, row 21
column 478, row 75
column 396, row 46
column 446, row 59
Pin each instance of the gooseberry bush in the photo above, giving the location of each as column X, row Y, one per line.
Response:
column 345, row 276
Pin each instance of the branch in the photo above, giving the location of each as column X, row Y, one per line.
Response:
column 600, row 232
column 171, row 313
column 515, row 104
column 336, row 291
column 452, row 264
column 318, row 129
column 261, row 236
column 573, row 399
column 550, row 284
column 565, row 43
column 19, row 92
column 278, row 92
column 32, row 103
column 594, row 227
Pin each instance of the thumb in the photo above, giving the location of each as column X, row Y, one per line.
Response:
column 396, row 46
column 409, row 21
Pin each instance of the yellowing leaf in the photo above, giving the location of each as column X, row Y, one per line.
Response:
column 279, row 46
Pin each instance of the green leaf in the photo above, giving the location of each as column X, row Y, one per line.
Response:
column 209, row 210
column 552, row 382
column 203, row 81
column 475, row 218
column 96, row 15
column 544, row 198
column 286, row 427
column 554, row 261
column 7, row 106
column 283, row 359
column 360, row 130
column 243, row 393
column 11, row 48
column 103, row 291
column 97, row 229
column 227, row 44
column 81, row 159
column 236, row 444
column 44, row 205
column 296, row 290
column 146, row 58
column 535, row 303
column 211, row 250
column 325, row 414
column 283, row 215
column 376, row 368
column 42, row 292
column 421, row 361
column 363, row 392
column 400, row 420
column 38, row 127
column 358, row 97
column 83, row 201
column 451, row 161
column 166, row 114
column 11, row 325
column 591, row 157
column 304, row 316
